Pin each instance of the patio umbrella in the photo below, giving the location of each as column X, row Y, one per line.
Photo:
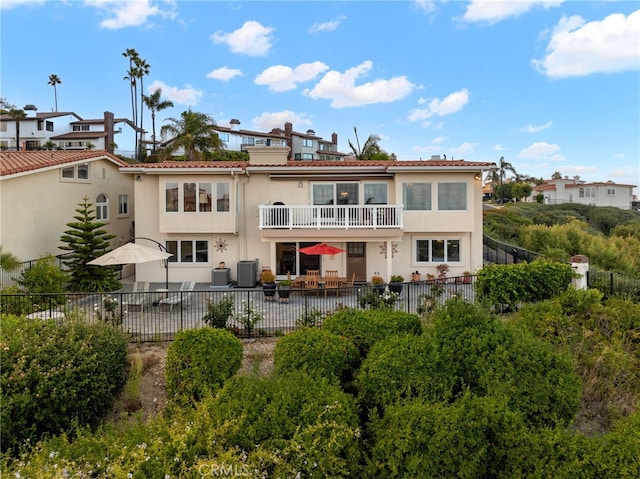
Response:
column 132, row 253
column 321, row 248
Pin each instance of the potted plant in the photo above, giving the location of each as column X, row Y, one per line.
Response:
column 466, row 277
column 415, row 277
column 430, row 278
column 268, row 280
column 284, row 288
column 443, row 269
column 378, row 283
column 395, row 283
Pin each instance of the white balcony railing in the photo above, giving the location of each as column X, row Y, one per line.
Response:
column 325, row 217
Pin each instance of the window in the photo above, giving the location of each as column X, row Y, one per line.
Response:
column 587, row 192
column 222, row 197
column 437, row 251
column 307, row 156
column 248, row 140
column 375, row 193
column 188, row 251
column 611, row 192
column 416, row 196
column 123, row 205
column 102, row 207
column 40, row 125
column 49, row 126
column 78, row 172
column 306, row 142
column 171, row 197
column 452, row 196
column 224, row 137
column 80, row 127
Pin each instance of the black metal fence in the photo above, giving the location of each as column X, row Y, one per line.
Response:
column 150, row 317
column 614, row 284
column 497, row 252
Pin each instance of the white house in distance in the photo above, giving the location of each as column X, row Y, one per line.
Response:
column 390, row 217
column 66, row 130
column 574, row 190
column 40, row 191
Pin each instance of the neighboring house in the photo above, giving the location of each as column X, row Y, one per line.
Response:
column 574, row 190
column 390, row 217
column 40, row 192
column 66, row 130
column 303, row 146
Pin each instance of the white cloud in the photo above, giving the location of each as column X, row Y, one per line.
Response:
column 342, row 90
column 251, row 39
column 498, row 147
column 577, row 48
column 426, row 6
column 439, row 139
column 283, row 78
column 224, row 73
column 453, row 103
column 541, row 151
column 327, row 26
column 268, row 121
column 535, row 128
column 460, row 151
column 9, row 4
column 492, row 11
column 129, row 13
column 185, row 96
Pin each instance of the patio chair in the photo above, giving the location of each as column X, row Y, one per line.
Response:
column 347, row 286
column 139, row 295
column 312, row 281
column 180, row 297
column 331, row 282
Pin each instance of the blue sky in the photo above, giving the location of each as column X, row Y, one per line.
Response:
column 551, row 85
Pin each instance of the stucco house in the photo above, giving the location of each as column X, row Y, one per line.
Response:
column 575, row 190
column 40, row 191
column 390, row 217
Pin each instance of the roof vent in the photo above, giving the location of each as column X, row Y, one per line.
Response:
column 435, row 157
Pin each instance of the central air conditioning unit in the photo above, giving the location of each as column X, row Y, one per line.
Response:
column 247, row 274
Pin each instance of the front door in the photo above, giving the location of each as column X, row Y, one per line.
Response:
column 357, row 261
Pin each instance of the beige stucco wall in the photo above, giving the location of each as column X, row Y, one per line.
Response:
column 35, row 207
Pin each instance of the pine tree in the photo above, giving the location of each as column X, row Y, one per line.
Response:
column 87, row 240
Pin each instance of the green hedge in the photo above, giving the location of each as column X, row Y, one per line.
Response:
column 317, row 352
column 198, row 363
column 56, row 374
column 365, row 328
column 511, row 285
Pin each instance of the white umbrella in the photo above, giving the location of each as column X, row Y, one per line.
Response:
column 131, row 253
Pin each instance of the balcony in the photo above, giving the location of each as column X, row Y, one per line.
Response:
column 345, row 217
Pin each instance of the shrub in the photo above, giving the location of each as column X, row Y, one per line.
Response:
column 199, row 361
column 490, row 357
column 45, row 280
column 218, row 313
column 468, row 439
column 56, row 374
column 402, row 367
column 317, row 352
column 365, row 328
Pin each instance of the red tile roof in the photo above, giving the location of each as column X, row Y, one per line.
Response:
column 12, row 162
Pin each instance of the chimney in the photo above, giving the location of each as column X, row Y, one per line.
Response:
column 334, row 139
column 109, row 125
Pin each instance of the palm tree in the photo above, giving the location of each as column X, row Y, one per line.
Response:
column 53, row 81
column 142, row 69
column 193, row 132
column 368, row 150
column 18, row 115
column 131, row 77
column 154, row 105
column 504, row 166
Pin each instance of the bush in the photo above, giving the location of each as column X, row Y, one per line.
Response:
column 317, row 352
column 468, row 439
column 45, row 280
column 56, row 374
column 219, row 313
column 402, row 367
column 269, row 411
column 365, row 328
column 489, row 357
column 199, row 361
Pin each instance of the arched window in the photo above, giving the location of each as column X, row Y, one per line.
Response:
column 102, row 207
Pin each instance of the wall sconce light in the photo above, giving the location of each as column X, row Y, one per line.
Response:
column 138, row 178
column 300, row 184
column 478, row 176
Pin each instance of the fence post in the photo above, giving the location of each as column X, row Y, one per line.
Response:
column 580, row 266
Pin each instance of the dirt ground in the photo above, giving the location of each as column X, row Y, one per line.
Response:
column 257, row 358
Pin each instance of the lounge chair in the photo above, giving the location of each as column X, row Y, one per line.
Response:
column 179, row 297
column 331, row 282
column 139, row 295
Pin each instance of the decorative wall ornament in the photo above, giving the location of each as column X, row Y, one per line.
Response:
column 394, row 249
column 221, row 245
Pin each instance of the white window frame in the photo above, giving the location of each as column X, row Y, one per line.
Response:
column 123, row 205
column 77, row 173
column 443, row 196
column 102, row 207
column 428, row 202
column 180, row 248
column 450, row 244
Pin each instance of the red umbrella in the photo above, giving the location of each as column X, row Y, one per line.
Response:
column 321, row 248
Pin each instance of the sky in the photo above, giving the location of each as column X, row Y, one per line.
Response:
column 550, row 85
